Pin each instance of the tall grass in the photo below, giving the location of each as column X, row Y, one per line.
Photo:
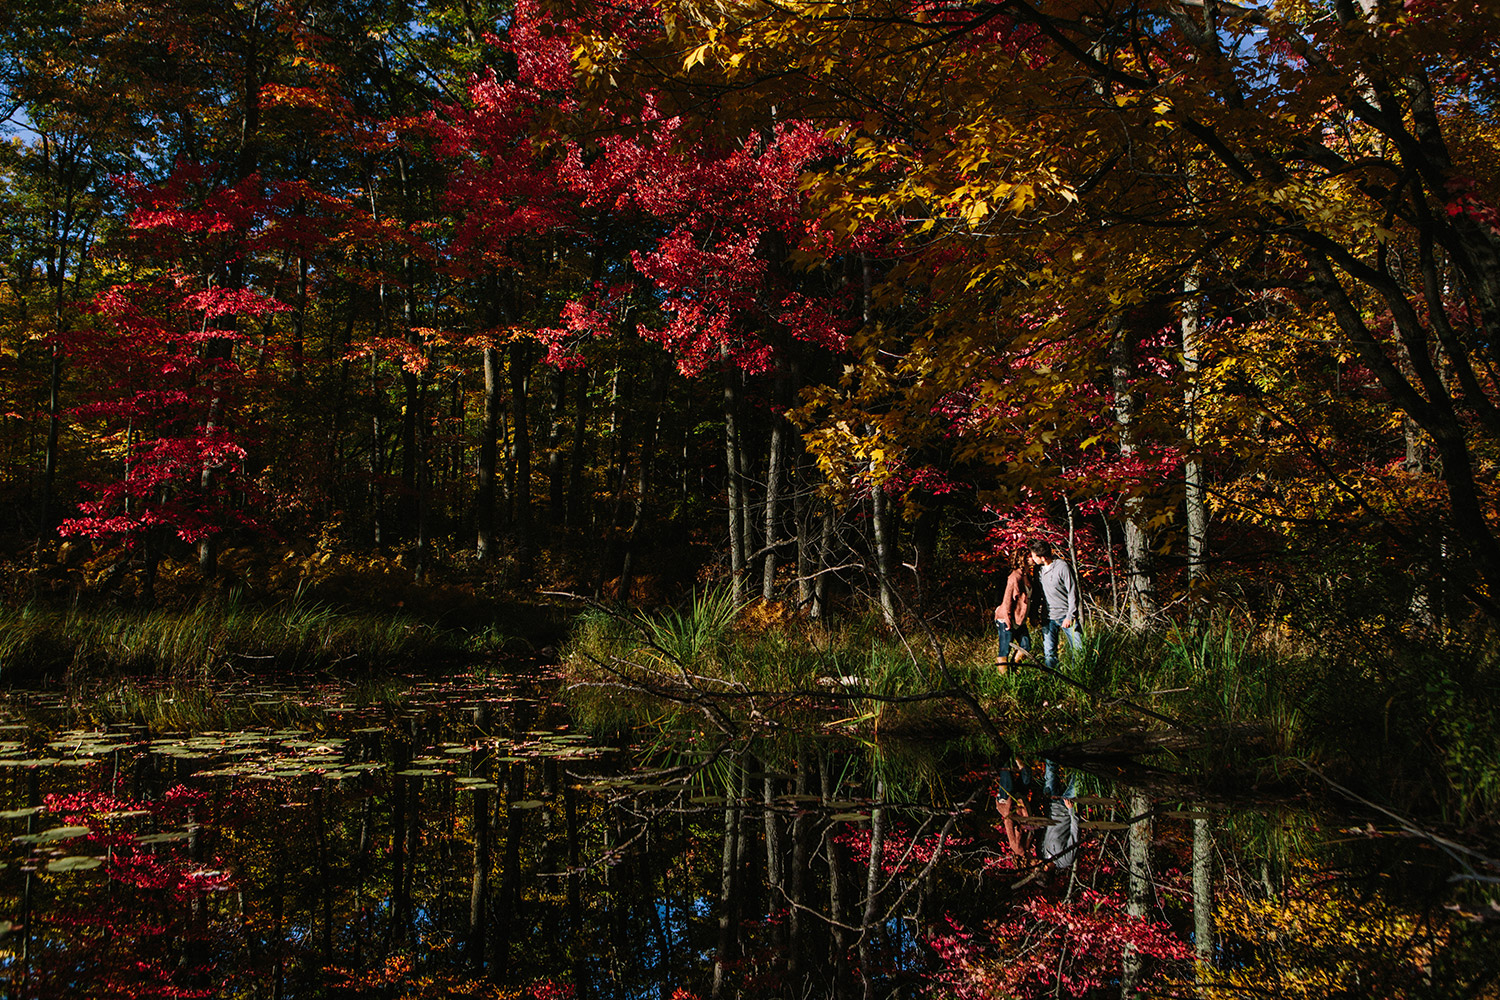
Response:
column 38, row 642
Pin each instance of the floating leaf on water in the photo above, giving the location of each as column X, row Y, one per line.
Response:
column 1187, row 814
column 1102, row 824
column 468, row 781
column 644, row 786
column 1096, row 800
column 525, row 804
column 1036, row 821
column 62, row 833
column 22, row 813
column 125, row 814
column 708, row 800
column 422, row 772
column 78, row 863
column 171, row 837
column 798, row 799
column 849, row 817
column 483, row 786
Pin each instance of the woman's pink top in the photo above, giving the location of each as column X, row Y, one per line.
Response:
column 1016, row 602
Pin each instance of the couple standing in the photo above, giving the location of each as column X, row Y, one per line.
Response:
column 1038, row 579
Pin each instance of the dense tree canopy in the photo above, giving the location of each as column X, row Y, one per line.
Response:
column 1207, row 291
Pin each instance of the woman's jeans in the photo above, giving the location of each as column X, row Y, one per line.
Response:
column 1008, row 636
column 1050, row 631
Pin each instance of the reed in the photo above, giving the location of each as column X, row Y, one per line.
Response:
column 37, row 642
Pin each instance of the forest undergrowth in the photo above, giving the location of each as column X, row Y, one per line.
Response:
column 1406, row 723
column 227, row 637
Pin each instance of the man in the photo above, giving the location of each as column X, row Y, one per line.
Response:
column 1057, row 593
column 1060, row 841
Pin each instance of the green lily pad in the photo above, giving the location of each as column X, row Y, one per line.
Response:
column 62, row 833
column 21, row 813
column 78, row 863
column 171, row 837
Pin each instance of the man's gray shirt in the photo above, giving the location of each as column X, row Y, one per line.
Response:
column 1059, row 593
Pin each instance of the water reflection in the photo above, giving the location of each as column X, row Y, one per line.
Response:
column 463, row 840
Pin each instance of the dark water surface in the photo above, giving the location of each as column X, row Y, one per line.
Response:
column 460, row 839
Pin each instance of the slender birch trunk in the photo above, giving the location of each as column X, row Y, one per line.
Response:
column 1138, row 885
column 1192, row 469
column 1139, row 576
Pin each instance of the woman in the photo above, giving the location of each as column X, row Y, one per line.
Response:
column 1010, row 615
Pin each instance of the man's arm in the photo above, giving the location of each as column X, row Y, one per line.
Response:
column 1070, row 582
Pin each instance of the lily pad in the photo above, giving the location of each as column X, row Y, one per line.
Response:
column 62, row 833
column 78, row 863
column 22, row 813
column 170, row 837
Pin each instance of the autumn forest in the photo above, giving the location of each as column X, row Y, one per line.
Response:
column 704, row 368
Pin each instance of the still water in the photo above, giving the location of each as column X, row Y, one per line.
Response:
column 462, row 839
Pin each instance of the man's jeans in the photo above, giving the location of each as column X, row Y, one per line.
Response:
column 1050, row 632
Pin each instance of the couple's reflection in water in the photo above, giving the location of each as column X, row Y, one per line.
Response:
column 1038, row 814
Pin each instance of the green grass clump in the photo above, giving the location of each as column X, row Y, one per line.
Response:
column 41, row 642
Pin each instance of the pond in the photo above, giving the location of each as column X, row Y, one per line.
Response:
column 441, row 838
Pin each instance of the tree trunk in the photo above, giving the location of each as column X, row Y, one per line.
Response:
column 479, row 885
column 885, row 552
column 775, row 873
column 1203, row 895
column 867, row 923
column 576, row 459
column 734, row 484
column 838, row 944
column 1140, row 582
column 773, row 497
column 642, row 484
column 802, row 513
column 487, row 449
column 1138, row 885
column 796, row 890
column 728, row 865
column 556, row 503
column 1192, row 467
column 520, row 380
column 825, row 562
